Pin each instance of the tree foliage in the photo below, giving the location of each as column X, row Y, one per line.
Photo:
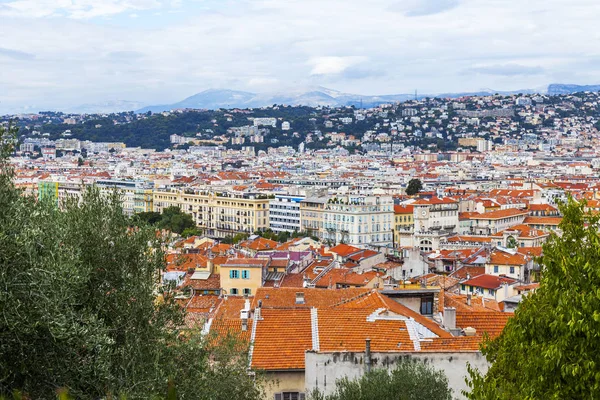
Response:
column 82, row 308
column 410, row 380
column 414, row 186
column 172, row 219
column 550, row 349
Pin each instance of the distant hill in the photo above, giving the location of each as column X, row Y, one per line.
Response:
column 559, row 88
column 313, row 96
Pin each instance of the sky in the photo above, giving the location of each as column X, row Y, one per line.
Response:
column 56, row 54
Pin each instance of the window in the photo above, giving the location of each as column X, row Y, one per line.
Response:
column 490, row 292
column 289, row 396
column 247, row 292
column 471, row 289
column 246, row 274
column 233, row 291
column 495, row 269
column 462, row 287
column 427, row 305
column 234, row 274
column 512, row 270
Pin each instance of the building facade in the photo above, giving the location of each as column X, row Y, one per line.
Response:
column 218, row 214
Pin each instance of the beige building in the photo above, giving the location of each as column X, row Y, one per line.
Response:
column 311, row 215
column 219, row 214
column 243, row 276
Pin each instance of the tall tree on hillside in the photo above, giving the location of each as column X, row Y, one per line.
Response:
column 550, row 349
column 82, row 307
column 414, row 186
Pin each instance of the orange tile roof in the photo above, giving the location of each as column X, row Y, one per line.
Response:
column 344, row 250
column 245, row 262
column 403, row 209
column 184, row 262
column 542, row 220
column 435, row 200
column 488, row 281
column 282, row 337
column 500, row 214
column 490, row 322
column 452, row 345
column 499, row 257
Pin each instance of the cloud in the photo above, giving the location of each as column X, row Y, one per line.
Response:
column 505, row 70
column 332, row 65
column 89, row 51
column 419, row 8
column 16, row 54
column 78, row 9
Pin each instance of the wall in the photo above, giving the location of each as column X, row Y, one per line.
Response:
column 323, row 369
column 283, row 382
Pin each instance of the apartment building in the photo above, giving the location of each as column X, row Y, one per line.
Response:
column 434, row 219
column 403, row 225
column 312, row 210
column 492, row 222
column 136, row 196
column 284, row 213
column 218, row 214
column 359, row 220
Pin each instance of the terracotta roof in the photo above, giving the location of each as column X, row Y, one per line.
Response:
column 259, row 244
column 404, row 209
column 542, row 220
column 212, row 283
column 345, row 276
column 500, row 214
column 488, row 281
column 344, row 250
column 452, row 345
column 491, row 322
column 435, row 200
column 282, row 337
column 531, row 251
column 246, row 262
column 184, row 262
column 542, row 207
column 499, row 257
column 465, row 270
column 292, row 280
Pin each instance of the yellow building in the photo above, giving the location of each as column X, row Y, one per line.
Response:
column 218, row 214
column 403, row 223
column 243, row 276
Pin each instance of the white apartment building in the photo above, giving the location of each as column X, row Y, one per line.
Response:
column 363, row 221
column 496, row 221
column 284, row 213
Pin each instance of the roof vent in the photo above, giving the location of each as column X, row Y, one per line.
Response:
column 299, row 297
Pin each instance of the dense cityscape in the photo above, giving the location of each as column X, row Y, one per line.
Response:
column 299, row 200
column 418, row 224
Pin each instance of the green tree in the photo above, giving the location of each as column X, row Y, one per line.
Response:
column 414, row 186
column 80, row 162
column 81, row 307
column 550, row 348
column 410, row 380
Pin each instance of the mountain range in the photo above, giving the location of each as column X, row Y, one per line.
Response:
column 308, row 96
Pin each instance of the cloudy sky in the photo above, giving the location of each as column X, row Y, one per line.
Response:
column 61, row 53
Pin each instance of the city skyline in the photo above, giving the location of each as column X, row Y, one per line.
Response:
column 157, row 52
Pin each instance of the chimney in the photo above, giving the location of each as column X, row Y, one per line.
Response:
column 450, row 317
column 299, row 297
column 469, row 299
column 368, row 355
